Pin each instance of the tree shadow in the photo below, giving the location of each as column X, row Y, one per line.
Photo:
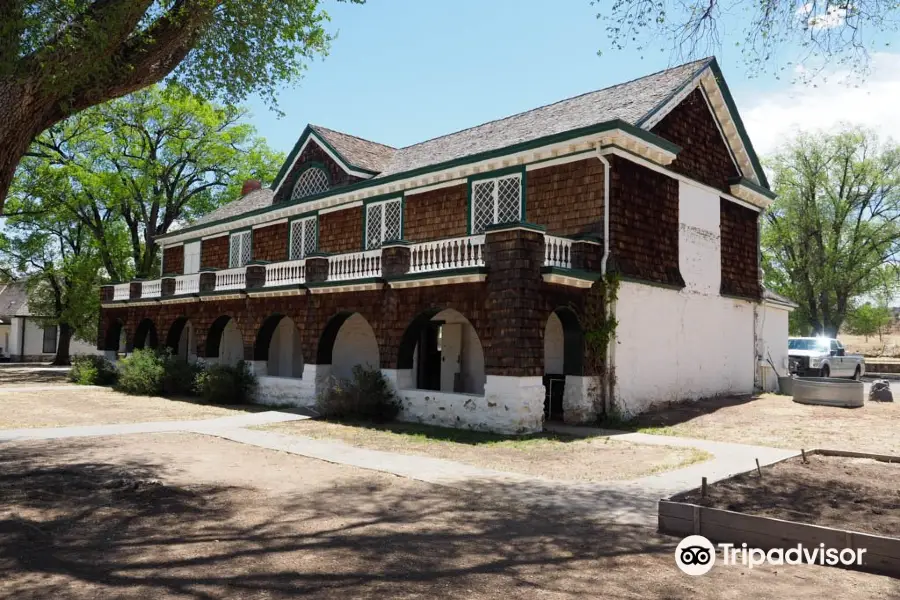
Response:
column 681, row 412
column 11, row 376
column 447, row 434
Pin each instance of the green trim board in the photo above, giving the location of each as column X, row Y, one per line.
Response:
column 473, row 158
column 756, row 188
column 573, row 273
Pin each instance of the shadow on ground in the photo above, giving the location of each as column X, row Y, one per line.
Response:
column 101, row 530
column 38, row 376
column 681, row 412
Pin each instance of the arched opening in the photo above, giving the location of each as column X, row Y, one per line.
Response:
column 348, row 340
column 444, row 353
column 278, row 343
column 116, row 338
column 145, row 335
column 225, row 342
column 182, row 339
column 563, row 356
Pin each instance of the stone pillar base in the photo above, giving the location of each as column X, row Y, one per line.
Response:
column 518, row 404
column 401, row 379
column 258, row 367
column 578, row 403
column 319, row 377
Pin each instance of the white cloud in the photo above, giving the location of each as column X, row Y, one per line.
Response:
column 774, row 117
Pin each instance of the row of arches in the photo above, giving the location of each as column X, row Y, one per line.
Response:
column 440, row 348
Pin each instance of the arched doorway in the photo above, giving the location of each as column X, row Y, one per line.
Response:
column 444, row 353
column 348, row 340
column 224, row 342
column 145, row 335
column 116, row 340
column 563, row 361
column 182, row 339
column 278, row 344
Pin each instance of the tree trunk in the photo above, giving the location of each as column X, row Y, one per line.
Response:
column 62, row 347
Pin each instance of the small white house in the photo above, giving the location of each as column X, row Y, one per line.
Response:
column 22, row 339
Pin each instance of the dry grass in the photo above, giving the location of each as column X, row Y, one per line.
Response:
column 887, row 346
column 95, row 406
column 777, row 421
column 544, row 455
column 186, row 516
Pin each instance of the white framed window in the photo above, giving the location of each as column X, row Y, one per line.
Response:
column 384, row 222
column 312, row 181
column 191, row 258
column 304, row 238
column 239, row 249
column 497, row 200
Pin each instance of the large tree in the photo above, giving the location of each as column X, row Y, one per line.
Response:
column 772, row 34
column 58, row 57
column 833, row 234
column 140, row 165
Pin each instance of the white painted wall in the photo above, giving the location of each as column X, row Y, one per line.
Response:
column 11, row 340
column 231, row 346
column 285, row 351
column 554, row 347
column 772, row 340
column 471, row 355
column 187, row 343
column 4, row 339
column 687, row 344
column 355, row 344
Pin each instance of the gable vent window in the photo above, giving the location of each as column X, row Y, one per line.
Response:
column 312, row 181
column 496, row 201
column 384, row 223
column 239, row 249
column 304, row 239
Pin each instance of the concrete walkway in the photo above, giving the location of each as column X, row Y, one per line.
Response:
column 632, row 502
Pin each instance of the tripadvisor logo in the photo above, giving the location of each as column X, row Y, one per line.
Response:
column 696, row 555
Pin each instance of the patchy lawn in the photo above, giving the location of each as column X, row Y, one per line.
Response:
column 32, row 376
column 846, row 493
column 185, row 516
column 547, row 455
column 70, row 406
column 777, row 421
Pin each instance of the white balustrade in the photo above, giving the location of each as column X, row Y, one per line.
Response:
column 151, row 289
column 121, row 291
column 286, row 273
column 440, row 255
column 187, row 284
column 356, row 265
column 557, row 252
column 231, row 279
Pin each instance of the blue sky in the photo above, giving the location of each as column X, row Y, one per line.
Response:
column 402, row 71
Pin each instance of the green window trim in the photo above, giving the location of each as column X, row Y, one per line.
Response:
column 496, row 175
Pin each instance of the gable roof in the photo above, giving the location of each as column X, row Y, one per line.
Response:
column 252, row 201
column 14, row 299
column 358, row 152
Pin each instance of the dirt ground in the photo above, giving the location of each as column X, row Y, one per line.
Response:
column 32, row 376
column 777, row 421
column 846, row 493
column 69, row 406
column 185, row 516
column 552, row 456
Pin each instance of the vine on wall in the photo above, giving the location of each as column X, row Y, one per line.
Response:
column 599, row 331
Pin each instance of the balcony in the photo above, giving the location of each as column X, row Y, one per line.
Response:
column 396, row 263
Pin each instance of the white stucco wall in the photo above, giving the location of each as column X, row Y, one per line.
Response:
column 355, row 344
column 4, row 339
column 553, row 346
column 471, row 365
column 286, row 391
column 674, row 345
column 772, row 339
column 231, row 346
column 285, row 351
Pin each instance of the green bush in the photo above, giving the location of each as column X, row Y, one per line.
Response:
column 91, row 369
column 142, row 373
column 221, row 384
column 179, row 376
column 366, row 396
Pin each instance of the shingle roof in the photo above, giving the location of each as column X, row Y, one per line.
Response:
column 14, row 299
column 371, row 156
column 255, row 199
column 630, row 102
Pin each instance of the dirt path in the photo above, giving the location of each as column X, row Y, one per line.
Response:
column 778, row 422
column 185, row 516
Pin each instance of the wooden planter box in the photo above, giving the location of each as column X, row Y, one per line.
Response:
column 724, row 526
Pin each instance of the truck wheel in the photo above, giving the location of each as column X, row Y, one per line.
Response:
column 858, row 374
column 825, row 371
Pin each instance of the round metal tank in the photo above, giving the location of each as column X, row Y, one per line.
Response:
column 829, row 391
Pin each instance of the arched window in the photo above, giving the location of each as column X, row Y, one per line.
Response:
column 312, row 181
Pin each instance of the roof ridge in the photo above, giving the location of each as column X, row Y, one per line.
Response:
column 362, row 139
column 707, row 60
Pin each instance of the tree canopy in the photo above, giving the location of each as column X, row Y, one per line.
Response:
column 798, row 32
column 833, row 234
column 136, row 167
column 58, row 57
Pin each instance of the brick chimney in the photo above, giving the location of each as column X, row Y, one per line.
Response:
column 251, row 185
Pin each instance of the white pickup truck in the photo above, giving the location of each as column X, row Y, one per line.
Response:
column 823, row 357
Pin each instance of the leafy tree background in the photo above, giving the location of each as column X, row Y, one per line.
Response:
column 869, row 319
column 833, row 234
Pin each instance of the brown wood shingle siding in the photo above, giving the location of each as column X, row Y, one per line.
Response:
column 740, row 254
column 341, row 231
column 214, row 253
column 173, row 260
column 270, row 243
column 436, row 214
column 567, row 199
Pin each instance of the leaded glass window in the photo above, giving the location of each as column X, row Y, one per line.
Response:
column 496, row 201
column 384, row 222
column 304, row 239
column 312, row 181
